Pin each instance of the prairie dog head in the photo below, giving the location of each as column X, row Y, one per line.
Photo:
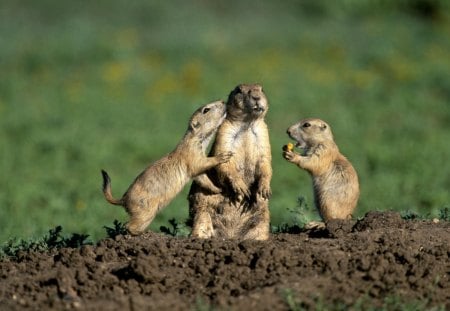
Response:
column 310, row 132
column 247, row 102
column 206, row 120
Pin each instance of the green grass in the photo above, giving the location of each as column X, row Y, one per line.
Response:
column 110, row 85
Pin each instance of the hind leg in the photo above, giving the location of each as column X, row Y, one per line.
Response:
column 259, row 233
column 258, row 225
column 141, row 215
column 137, row 226
column 201, row 208
column 202, row 227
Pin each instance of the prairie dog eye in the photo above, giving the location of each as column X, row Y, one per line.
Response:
column 205, row 110
column 306, row 124
column 239, row 97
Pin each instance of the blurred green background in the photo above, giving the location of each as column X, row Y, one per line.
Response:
column 86, row 85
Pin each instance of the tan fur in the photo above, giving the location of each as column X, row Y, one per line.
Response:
column 159, row 183
column 237, row 204
column 335, row 182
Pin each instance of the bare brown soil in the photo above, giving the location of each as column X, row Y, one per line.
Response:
column 350, row 263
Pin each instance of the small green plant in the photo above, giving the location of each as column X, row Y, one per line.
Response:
column 410, row 215
column 13, row 246
column 175, row 229
column 117, row 229
column 54, row 239
column 300, row 211
column 76, row 240
column 299, row 218
column 202, row 305
column 288, row 296
column 444, row 214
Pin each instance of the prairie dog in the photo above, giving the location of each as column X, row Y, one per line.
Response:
column 241, row 208
column 160, row 182
column 335, row 182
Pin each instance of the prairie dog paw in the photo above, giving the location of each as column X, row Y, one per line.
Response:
column 290, row 156
column 224, row 157
column 240, row 189
column 264, row 192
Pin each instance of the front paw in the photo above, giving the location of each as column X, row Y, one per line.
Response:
column 290, row 156
column 240, row 189
column 224, row 157
column 264, row 192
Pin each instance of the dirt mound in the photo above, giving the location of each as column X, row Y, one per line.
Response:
column 372, row 261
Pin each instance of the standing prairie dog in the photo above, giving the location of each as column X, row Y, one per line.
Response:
column 240, row 209
column 335, row 182
column 159, row 183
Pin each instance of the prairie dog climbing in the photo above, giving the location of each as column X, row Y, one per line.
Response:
column 160, row 182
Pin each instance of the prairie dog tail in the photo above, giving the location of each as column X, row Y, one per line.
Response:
column 107, row 190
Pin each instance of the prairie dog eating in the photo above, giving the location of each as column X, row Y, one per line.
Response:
column 335, row 181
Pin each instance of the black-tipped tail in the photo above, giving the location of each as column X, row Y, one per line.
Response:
column 107, row 190
column 106, row 180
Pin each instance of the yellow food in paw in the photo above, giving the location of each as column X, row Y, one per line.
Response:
column 288, row 147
